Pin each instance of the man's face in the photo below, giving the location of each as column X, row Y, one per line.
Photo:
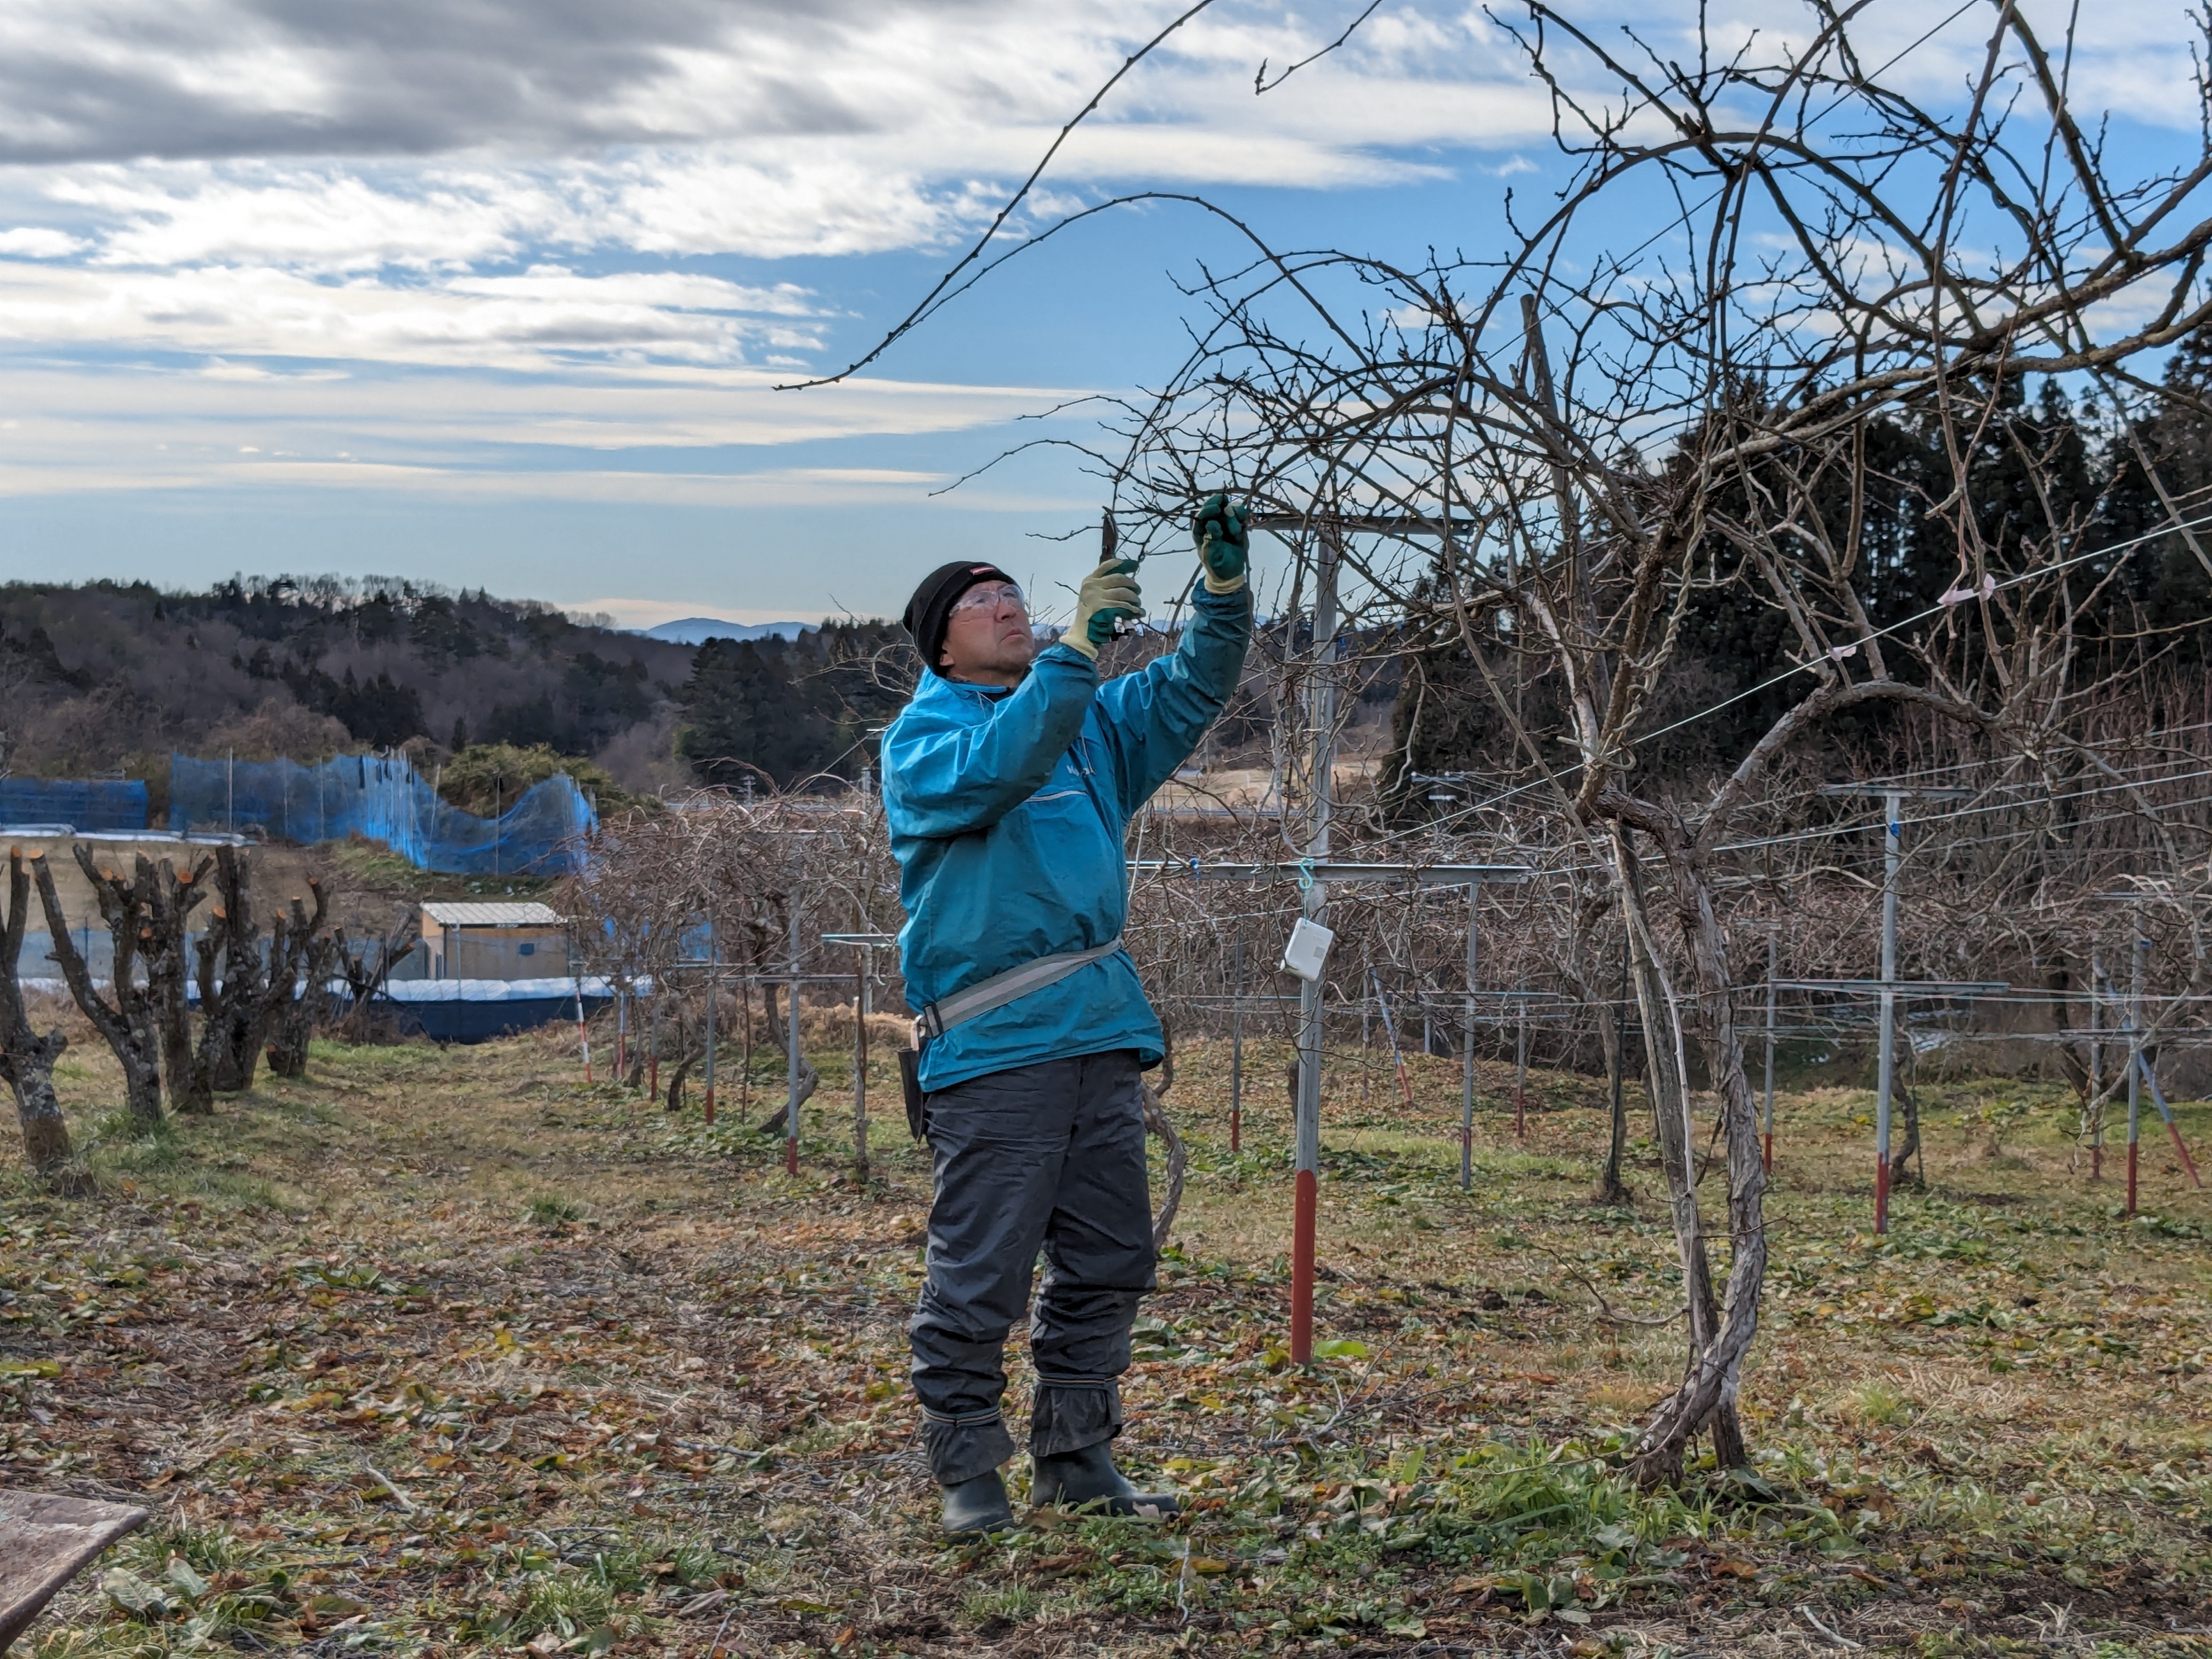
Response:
column 987, row 637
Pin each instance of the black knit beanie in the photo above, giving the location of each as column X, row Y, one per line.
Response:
column 931, row 607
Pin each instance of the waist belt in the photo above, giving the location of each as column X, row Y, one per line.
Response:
column 940, row 1016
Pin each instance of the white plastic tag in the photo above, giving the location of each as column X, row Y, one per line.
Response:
column 1307, row 949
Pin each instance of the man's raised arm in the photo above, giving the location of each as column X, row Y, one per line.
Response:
column 1153, row 719
column 944, row 777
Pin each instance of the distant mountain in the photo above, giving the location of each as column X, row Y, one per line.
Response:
column 697, row 631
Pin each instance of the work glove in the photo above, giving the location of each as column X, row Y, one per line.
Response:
column 1223, row 544
column 1108, row 595
column 1222, row 540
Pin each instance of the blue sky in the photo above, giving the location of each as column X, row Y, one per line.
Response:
column 495, row 295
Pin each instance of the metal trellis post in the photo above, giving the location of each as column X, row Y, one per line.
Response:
column 1766, row 1145
column 1390, row 1031
column 2135, row 1056
column 1467, row 1051
column 860, row 1062
column 2096, row 1071
column 1306, row 1195
column 583, row 1032
column 863, row 1005
column 1521, row 1063
column 1237, row 1054
column 791, row 1059
column 713, row 963
column 1892, row 851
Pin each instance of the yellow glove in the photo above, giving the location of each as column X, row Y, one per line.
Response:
column 1108, row 594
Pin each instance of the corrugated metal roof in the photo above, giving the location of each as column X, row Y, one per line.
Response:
column 491, row 915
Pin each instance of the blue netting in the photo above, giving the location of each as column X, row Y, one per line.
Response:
column 384, row 800
column 101, row 805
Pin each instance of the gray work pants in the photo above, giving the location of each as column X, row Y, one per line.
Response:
column 1048, row 1158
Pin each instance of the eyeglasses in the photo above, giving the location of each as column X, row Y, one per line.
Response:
column 989, row 596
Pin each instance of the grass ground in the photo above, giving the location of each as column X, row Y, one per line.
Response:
column 443, row 1351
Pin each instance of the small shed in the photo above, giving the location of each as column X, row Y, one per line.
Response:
column 495, row 941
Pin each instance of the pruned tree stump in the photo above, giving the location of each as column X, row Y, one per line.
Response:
column 45, row 1540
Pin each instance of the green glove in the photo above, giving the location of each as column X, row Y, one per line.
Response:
column 1108, row 594
column 1223, row 544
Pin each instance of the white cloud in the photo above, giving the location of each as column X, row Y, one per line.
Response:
column 38, row 242
column 529, row 321
column 391, row 240
column 652, row 433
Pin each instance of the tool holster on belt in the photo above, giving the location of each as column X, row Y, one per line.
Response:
column 909, row 1064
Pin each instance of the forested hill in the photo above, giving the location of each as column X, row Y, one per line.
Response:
column 2048, row 473
column 105, row 679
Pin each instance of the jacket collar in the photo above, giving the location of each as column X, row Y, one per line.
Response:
column 936, row 692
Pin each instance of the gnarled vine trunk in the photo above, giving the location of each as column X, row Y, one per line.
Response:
column 27, row 1059
column 301, row 958
column 1721, row 1329
column 129, row 1025
column 171, row 899
column 234, row 982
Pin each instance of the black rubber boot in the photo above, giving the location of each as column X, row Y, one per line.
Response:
column 976, row 1506
column 1088, row 1479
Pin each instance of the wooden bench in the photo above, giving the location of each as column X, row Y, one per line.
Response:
column 45, row 1540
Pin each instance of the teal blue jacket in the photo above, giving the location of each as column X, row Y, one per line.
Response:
column 1007, row 810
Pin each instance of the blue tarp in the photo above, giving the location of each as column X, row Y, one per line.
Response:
column 474, row 1009
column 446, row 1010
column 82, row 803
column 382, row 799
